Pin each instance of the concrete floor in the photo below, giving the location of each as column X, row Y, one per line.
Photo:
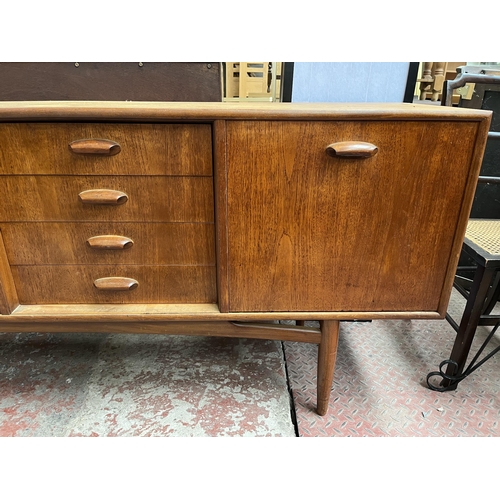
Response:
column 155, row 385
column 141, row 385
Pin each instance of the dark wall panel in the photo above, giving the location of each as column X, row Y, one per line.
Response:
column 198, row 82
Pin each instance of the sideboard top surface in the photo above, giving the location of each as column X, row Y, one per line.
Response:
column 195, row 111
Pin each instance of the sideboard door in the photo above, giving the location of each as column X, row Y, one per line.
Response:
column 313, row 228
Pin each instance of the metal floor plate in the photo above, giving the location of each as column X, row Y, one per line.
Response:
column 380, row 385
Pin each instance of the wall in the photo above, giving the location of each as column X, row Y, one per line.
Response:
column 349, row 82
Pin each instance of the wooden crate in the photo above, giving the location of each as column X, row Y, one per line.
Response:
column 252, row 80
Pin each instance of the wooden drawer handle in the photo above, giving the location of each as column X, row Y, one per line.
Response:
column 102, row 147
column 103, row 197
column 351, row 149
column 116, row 284
column 110, row 242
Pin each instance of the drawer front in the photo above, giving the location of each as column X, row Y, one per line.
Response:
column 76, row 284
column 155, row 199
column 115, row 149
column 31, row 243
column 312, row 232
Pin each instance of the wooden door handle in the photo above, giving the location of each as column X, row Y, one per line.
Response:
column 351, row 149
column 102, row 147
column 110, row 242
column 116, row 284
column 103, row 197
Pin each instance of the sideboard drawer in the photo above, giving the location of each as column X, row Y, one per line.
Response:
column 148, row 198
column 75, row 284
column 121, row 149
column 35, row 243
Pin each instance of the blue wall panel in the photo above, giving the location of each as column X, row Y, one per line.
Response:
column 349, row 82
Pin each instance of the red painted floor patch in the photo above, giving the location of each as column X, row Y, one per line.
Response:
column 141, row 385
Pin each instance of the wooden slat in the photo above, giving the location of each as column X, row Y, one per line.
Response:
column 159, row 112
column 146, row 149
column 249, row 82
column 184, row 312
column 75, row 311
column 220, row 196
column 8, row 294
column 232, row 68
column 55, row 198
column 210, row 329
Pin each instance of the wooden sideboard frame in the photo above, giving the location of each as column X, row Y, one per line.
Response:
column 215, row 319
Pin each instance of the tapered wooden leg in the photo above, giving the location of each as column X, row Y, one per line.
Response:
column 327, row 355
column 300, row 323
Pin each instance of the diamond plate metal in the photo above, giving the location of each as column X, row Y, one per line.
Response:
column 380, row 385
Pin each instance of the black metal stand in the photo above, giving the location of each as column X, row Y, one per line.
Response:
column 482, row 245
column 453, row 380
column 481, row 299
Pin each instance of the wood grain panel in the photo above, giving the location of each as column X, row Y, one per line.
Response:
column 314, row 233
column 146, row 149
column 74, row 284
column 66, row 243
column 55, row 198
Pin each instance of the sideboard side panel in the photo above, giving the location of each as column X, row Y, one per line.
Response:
column 477, row 160
column 8, row 294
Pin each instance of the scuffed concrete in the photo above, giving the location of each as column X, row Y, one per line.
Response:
column 141, row 385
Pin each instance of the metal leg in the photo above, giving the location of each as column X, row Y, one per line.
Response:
column 494, row 296
column 466, row 331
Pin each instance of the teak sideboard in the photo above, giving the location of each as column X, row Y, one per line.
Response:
column 220, row 218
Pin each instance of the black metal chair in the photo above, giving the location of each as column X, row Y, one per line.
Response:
column 482, row 292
